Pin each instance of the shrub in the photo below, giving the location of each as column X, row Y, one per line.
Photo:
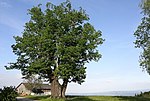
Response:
column 8, row 94
column 145, row 94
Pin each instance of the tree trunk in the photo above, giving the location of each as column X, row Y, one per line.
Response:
column 63, row 88
column 55, row 88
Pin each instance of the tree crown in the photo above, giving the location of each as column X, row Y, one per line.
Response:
column 57, row 42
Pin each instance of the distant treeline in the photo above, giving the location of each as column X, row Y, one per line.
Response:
column 143, row 94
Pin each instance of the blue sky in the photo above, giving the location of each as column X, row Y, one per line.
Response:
column 118, row 69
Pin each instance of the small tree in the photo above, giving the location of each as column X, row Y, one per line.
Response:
column 56, row 44
column 142, row 35
column 33, row 82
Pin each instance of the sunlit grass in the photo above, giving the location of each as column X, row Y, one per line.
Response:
column 90, row 98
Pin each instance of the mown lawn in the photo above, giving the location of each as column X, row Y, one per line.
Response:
column 90, row 98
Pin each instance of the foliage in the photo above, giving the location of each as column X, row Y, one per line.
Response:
column 145, row 6
column 142, row 35
column 144, row 94
column 0, row 94
column 56, row 44
column 8, row 94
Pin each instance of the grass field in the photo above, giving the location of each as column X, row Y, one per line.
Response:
column 91, row 98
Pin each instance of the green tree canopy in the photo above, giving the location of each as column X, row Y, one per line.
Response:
column 56, row 44
column 142, row 35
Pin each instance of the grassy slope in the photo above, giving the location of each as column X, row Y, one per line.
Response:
column 93, row 98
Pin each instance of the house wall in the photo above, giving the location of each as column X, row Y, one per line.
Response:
column 23, row 90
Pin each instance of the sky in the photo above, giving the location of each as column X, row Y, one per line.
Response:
column 117, row 70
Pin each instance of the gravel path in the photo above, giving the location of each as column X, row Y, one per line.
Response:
column 23, row 99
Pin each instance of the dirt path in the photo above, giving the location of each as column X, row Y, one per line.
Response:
column 23, row 99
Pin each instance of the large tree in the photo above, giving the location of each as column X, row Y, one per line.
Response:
column 56, row 44
column 142, row 35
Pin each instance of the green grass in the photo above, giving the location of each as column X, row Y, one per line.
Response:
column 37, row 97
column 90, row 98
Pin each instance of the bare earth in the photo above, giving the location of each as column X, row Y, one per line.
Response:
column 24, row 99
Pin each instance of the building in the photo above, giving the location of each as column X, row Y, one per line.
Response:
column 44, row 89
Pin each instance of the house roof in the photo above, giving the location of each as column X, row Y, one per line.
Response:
column 43, row 86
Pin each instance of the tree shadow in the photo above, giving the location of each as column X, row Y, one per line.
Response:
column 78, row 98
column 132, row 98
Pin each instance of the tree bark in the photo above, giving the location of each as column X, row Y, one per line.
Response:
column 63, row 88
column 55, row 88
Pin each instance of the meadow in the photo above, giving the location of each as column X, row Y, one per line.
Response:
column 91, row 98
